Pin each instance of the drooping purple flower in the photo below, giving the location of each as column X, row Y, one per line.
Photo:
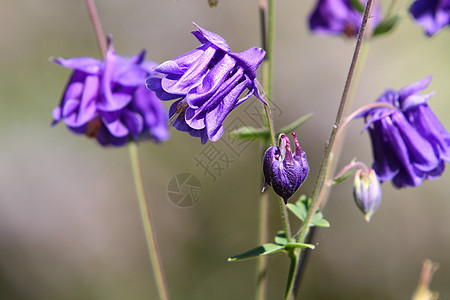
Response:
column 432, row 15
column 282, row 170
column 366, row 192
column 336, row 17
column 109, row 101
column 207, row 83
column 409, row 143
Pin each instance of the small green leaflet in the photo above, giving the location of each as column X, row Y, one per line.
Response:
column 261, row 250
column 300, row 210
column 387, row 25
column 251, row 133
column 344, row 176
column 281, row 245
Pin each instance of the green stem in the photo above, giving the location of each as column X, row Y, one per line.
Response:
column 145, row 214
column 340, row 134
column 293, row 255
column 268, row 10
column 147, row 224
column 261, row 282
column 285, row 218
column 328, row 152
column 330, row 157
column 270, row 45
column 268, row 120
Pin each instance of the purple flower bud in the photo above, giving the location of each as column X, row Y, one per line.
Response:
column 432, row 15
column 207, row 83
column 409, row 143
column 367, row 192
column 282, row 170
column 108, row 100
column 335, row 17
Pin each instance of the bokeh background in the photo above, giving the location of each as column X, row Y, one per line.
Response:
column 69, row 220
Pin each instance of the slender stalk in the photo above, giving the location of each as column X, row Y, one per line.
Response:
column 271, row 43
column 132, row 147
column 268, row 120
column 263, row 226
column 262, row 277
column 285, row 218
column 267, row 11
column 100, row 37
column 261, row 281
column 328, row 152
column 330, row 157
column 292, row 269
column 340, row 134
column 147, row 224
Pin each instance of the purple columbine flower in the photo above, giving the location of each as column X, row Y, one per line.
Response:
column 282, row 170
column 335, row 17
column 207, row 83
column 432, row 15
column 109, row 101
column 409, row 143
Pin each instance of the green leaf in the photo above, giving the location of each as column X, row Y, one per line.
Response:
column 387, row 25
column 298, row 245
column 280, row 238
column 300, row 210
column 294, row 125
column 250, row 133
column 319, row 221
column 344, row 176
column 357, row 5
column 258, row 251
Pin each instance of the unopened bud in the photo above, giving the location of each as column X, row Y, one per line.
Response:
column 285, row 171
column 367, row 192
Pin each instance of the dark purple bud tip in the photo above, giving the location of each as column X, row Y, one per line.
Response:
column 282, row 170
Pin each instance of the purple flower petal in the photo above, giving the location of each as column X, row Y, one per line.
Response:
column 84, row 64
column 204, row 36
column 415, row 87
column 250, row 60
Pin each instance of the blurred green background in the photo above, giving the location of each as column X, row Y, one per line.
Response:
column 69, row 220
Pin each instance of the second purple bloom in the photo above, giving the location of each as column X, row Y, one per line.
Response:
column 207, row 83
column 409, row 143
column 336, row 17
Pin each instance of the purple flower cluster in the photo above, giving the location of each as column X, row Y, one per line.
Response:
column 409, row 143
column 282, row 170
column 337, row 17
column 206, row 83
column 108, row 100
column 432, row 15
